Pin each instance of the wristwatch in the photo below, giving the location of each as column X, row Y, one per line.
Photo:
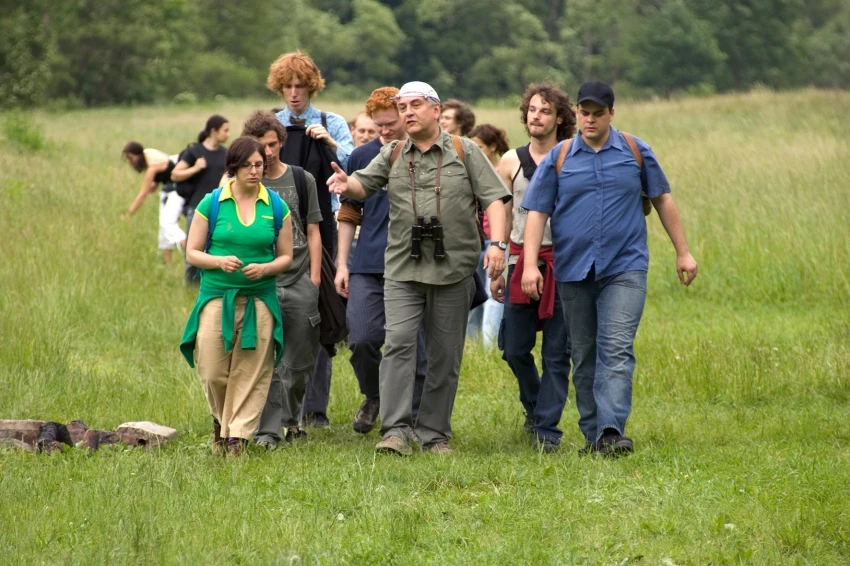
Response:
column 501, row 245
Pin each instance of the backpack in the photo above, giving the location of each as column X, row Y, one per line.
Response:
column 185, row 188
column 277, row 212
column 647, row 204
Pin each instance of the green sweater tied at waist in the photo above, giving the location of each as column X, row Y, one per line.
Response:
column 267, row 294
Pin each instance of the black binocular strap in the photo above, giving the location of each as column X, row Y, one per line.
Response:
column 411, row 168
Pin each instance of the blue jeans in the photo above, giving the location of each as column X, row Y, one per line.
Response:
column 485, row 319
column 542, row 396
column 603, row 318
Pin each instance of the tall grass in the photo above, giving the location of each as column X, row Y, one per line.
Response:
column 741, row 393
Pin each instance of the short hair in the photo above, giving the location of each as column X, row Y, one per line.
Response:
column 491, row 135
column 464, row 115
column 290, row 66
column 381, row 99
column 239, row 152
column 557, row 98
column 135, row 148
column 262, row 121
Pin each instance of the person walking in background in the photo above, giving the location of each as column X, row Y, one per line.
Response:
column 428, row 264
column 297, row 288
column 548, row 117
column 240, row 240
column 363, row 282
column 363, row 129
column 591, row 188
column 485, row 319
column 456, row 118
column 297, row 79
column 156, row 167
column 199, row 171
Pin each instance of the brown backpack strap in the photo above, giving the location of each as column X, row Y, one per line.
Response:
column 396, row 152
column 565, row 147
column 459, row 148
column 630, row 139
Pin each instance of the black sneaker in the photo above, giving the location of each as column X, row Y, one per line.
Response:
column 614, row 445
column 588, row 449
column 367, row 414
column 316, row 420
column 546, row 445
column 294, row 433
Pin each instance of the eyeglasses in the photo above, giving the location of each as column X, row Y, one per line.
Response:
column 258, row 165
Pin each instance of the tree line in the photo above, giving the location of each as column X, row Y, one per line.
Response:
column 100, row 52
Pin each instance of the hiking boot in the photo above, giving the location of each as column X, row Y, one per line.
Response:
column 528, row 425
column 367, row 414
column 441, row 447
column 316, row 420
column 588, row 450
column 235, row 446
column 393, row 444
column 546, row 445
column 218, row 447
column 294, row 433
column 614, row 445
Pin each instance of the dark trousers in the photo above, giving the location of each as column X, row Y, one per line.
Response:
column 365, row 318
column 542, row 396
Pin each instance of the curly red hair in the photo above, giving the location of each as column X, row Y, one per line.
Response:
column 290, row 67
column 381, row 99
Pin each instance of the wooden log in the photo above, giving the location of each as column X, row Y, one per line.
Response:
column 145, row 433
column 77, row 431
column 23, row 430
column 15, row 443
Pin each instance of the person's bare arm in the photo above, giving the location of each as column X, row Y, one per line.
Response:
column 532, row 279
column 183, row 171
column 196, row 255
column 344, row 239
column 148, row 187
column 494, row 258
column 314, row 248
column 668, row 212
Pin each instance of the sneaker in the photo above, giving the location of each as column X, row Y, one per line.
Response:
column 267, row 444
column 546, row 445
column 441, row 447
column 294, row 433
column 316, row 420
column 393, row 444
column 367, row 414
column 614, row 445
column 528, row 425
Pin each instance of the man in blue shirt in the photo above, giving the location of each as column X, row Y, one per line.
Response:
column 601, row 257
column 297, row 79
column 363, row 282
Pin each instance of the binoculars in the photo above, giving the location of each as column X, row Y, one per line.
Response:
column 423, row 229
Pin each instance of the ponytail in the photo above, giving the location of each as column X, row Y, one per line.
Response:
column 214, row 122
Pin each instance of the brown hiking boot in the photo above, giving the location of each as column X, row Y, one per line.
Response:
column 393, row 444
column 367, row 414
column 218, row 447
column 441, row 447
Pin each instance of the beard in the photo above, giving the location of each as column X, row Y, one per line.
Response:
column 539, row 133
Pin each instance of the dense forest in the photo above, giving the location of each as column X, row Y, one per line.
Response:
column 99, row 52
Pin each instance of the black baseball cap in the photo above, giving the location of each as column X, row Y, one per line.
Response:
column 598, row 92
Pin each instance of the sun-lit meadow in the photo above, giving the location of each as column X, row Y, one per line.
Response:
column 742, row 390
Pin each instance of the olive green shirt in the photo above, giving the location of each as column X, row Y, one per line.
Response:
column 461, row 187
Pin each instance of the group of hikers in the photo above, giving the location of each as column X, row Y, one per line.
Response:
column 550, row 236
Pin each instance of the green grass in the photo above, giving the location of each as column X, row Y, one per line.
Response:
column 742, row 391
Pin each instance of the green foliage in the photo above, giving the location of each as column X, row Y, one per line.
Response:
column 92, row 53
column 22, row 133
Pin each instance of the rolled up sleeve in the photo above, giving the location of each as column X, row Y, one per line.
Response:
column 542, row 191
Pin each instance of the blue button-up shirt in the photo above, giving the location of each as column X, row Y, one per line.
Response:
column 337, row 128
column 595, row 206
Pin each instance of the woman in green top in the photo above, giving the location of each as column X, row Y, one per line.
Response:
column 235, row 333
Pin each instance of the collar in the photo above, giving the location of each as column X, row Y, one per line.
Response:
column 227, row 192
column 311, row 113
column 444, row 141
column 612, row 141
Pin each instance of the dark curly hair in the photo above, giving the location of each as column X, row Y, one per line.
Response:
column 491, row 135
column 464, row 115
column 262, row 121
column 557, row 98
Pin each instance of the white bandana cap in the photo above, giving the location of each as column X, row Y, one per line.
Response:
column 418, row 88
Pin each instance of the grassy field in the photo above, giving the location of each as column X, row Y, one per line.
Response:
column 742, row 389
